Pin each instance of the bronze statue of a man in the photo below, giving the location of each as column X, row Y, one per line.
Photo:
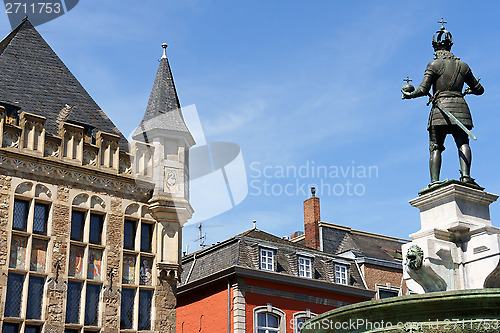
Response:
column 450, row 113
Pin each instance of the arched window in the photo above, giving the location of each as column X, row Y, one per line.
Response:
column 29, row 259
column 299, row 318
column 86, row 262
column 268, row 319
column 138, row 273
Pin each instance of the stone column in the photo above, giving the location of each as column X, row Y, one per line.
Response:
column 457, row 247
column 239, row 306
column 170, row 214
column 111, row 296
column 57, row 284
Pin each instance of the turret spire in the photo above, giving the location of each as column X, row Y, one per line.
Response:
column 163, row 109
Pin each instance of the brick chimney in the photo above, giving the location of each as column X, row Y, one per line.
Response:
column 311, row 220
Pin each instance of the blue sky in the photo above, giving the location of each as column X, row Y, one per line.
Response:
column 293, row 82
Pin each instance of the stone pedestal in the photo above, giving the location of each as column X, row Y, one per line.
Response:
column 456, row 248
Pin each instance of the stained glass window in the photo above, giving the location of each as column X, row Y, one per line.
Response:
column 10, row 328
column 146, row 271
column 14, row 295
column 38, row 255
column 145, row 299
column 21, row 208
column 35, row 295
column 18, row 252
column 128, row 275
column 95, row 228
column 146, row 237
column 77, row 223
column 76, row 262
column 95, row 262
column 40, row 217
column 129, row 235
column 73, row 302
column 92, row 304
column 127, row 309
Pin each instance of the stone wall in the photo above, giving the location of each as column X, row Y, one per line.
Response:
column 163, row 312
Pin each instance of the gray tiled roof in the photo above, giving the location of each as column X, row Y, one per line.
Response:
column 34, row 78
column 243, row 251
column 337, row 240
column 163, row 109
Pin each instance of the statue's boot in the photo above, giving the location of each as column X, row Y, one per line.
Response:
column 435, row 168
column 465, row 157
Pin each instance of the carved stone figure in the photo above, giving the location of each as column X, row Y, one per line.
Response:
column 421, row 272
column 446, row 74
column 414, row 257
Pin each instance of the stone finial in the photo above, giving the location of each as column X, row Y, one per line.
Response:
column 164, row 45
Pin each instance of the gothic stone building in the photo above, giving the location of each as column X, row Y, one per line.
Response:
column 90, row 229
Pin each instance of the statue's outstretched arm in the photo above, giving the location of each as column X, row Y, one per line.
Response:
column 422, row 90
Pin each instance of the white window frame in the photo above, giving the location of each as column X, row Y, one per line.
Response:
column 307, row 263
column 266, row 259
column 300, row 315
column 269, row 309
column 379, row 287
column 341, row 274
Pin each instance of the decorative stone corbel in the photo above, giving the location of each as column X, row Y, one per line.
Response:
column 169, row 271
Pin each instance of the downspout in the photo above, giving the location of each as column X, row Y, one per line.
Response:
column 191, row 269
column 228, row 307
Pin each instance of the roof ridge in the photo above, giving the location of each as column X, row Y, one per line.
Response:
column 360, row 232
column 6, row 41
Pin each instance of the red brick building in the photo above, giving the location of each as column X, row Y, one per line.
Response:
column 378, row 257
column 257, row 282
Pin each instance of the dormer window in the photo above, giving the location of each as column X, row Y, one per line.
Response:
column 87, row 131
column 11, row 114
column 340, row 274
column 305, row 266
column 267, row 259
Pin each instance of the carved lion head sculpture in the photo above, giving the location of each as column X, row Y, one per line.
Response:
column 414, row 257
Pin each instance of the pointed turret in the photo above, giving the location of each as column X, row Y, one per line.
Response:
column 161, row 148
column 163, row 110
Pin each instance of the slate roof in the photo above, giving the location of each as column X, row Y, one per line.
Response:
column 163, row 109
column 243, row 251
column 338, row 240
column 33, row 78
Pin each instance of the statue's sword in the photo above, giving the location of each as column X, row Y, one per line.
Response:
column 450, row 115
